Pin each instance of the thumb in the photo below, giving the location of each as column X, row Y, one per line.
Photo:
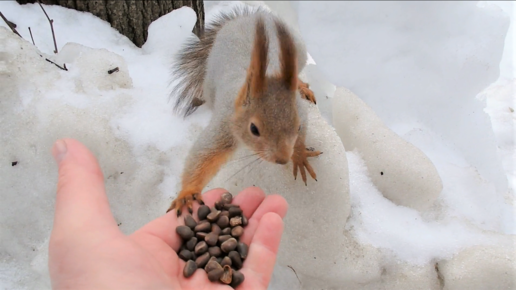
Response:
column 81, row 205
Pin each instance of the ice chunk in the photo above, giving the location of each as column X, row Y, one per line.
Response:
column 314, row 226
column 481, row 267
column 398, row 169
column 413, row 61
column 166, row 30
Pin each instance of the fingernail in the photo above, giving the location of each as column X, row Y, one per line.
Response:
column 59, row 150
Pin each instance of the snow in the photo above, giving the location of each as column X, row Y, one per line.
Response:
column 438, row 75
column 400, row 171
column 414, row 62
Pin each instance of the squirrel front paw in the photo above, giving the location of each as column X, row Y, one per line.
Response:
column 306, row 92
column 300, row 161
column 185, row 198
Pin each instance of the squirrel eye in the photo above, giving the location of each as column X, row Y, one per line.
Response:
column 254, row 130
column 299, row 128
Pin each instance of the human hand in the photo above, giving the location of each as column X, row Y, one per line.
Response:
column 88, row 251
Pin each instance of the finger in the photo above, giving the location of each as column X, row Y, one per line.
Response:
column 295, row 171
column 272, row 203
column 164, row 227
column 81, row 201
column 249, row 200
column 262, row 254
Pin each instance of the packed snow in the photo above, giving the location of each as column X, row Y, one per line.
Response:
column 435, row 78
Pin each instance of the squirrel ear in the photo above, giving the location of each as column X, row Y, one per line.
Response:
column 288, row 61
column 259, row 60
column 255, row 81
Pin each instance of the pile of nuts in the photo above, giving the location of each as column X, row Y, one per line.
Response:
column 213, row 242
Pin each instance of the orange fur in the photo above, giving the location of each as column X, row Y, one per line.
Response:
column 194, row 182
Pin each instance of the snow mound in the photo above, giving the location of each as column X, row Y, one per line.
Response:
column 481, row 267
column 398, row 169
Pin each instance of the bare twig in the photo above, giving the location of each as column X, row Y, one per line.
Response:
column 61, row 67
column 113, row 70
column 31, row 37
column 9, row 24
column 51, row 21
column 294, row 272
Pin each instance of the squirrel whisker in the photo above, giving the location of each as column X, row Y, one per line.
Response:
column 240, row 170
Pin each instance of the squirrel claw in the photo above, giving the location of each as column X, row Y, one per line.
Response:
column 306, row 92
column 185, row 199
column 299, row 159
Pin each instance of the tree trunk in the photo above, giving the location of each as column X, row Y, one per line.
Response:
column 130, row 17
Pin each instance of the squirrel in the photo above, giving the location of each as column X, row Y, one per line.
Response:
column 245, row 67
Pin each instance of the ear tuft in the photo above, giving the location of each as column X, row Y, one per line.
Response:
column 259, row 59
column 288, row 61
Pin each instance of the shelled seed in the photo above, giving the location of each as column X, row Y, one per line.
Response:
column 242, row 249
column 234, row 211
column 224, row 238
column 184, row 232
column 227, row 277
column 203, row 226
column 236, row 261
column 215, row 274
column 245, row 221
column 235, row 221
column 201, row 248
column 225, row 232
column 201, row 236
column 190, row 222
column 213, row 216
column 223, row 221
column 212, row 264
column 202, row 260
column 226, row 197
column 215, row 229
column 226, row 261
column 228, row 245
column 190, row 245
column 237, row 231
column 202, row 212
column 185, row 255
column 237, row 279
column 215, row 251
column 189, row 268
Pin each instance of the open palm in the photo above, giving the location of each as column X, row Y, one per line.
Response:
column 88, row 251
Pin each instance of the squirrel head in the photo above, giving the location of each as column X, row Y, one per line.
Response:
column 266, row 117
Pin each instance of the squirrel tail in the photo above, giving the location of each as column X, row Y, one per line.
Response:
column 190, row 65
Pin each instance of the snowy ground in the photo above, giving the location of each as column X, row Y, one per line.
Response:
column 435, row 99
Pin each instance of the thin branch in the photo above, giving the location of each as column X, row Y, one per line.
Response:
column 9, row 24
column 63, row 68
column 51, row 21
column 294, row 272
column 31, row 37
column 113, row 70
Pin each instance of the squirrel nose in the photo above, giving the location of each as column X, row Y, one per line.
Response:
column 281, row 161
